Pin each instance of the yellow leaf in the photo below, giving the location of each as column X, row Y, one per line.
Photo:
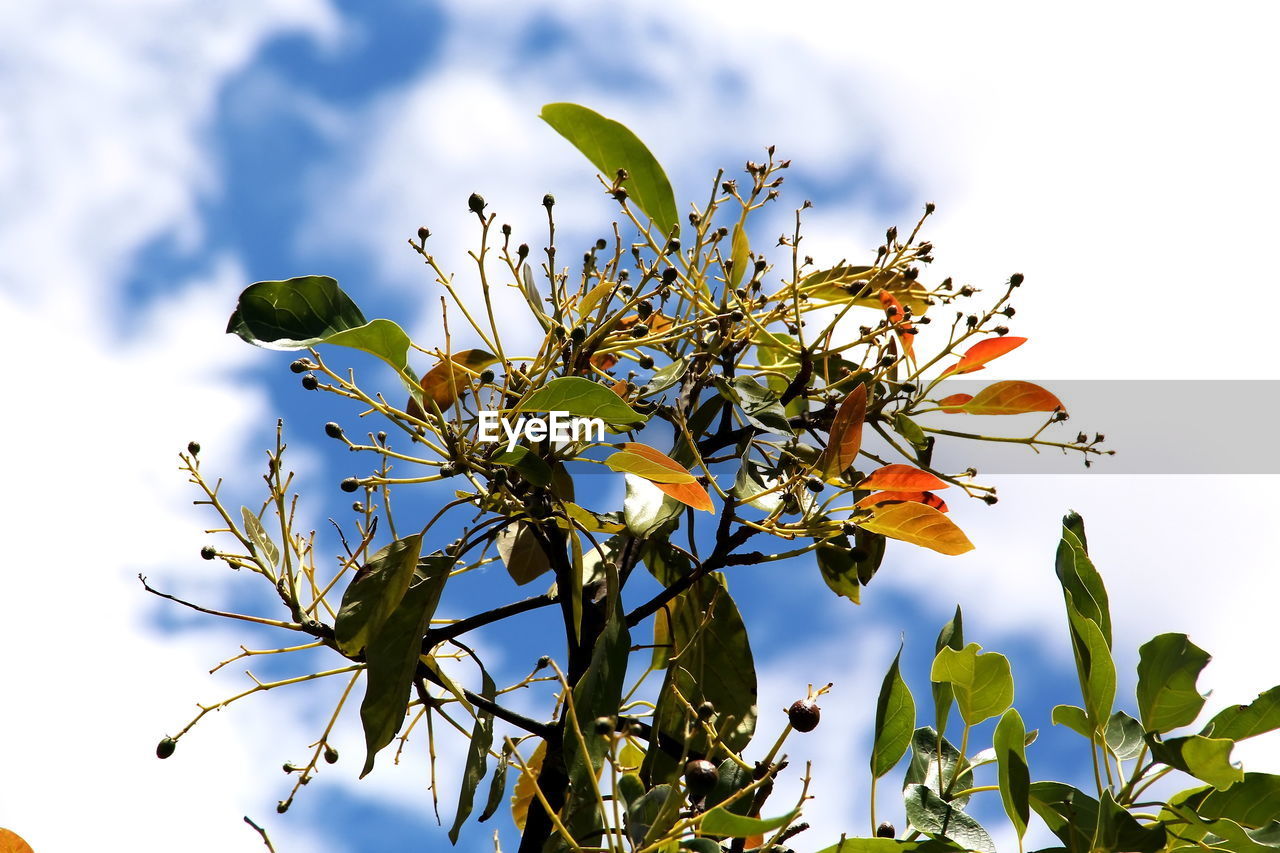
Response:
column 920, row 525
column 523, row 793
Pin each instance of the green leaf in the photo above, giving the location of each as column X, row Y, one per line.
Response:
column 1011, row 767
column 521, row 553
column 498, row 787
column 1245, row 721
column 721, row 821
column 293, row 314
column 712, row 663
column 1079, row 578
column 584, row 399
column 374, row 593
column 1124, row 736
column 759, row 405
column 895, row 721
column 645, row 508
column 1119, row 830
column 909, row 430
column 1168, row 666
column 610, row 146
column 700, row 845
column 839, row 569
column 983, row 683
column 951, row 636
column 530, row 465
column 1207, row 759
column 1096, row 669
column 1254, row 801
column 730, row 779
column 1070, row 814
column 929, row 813
column 266, row 549
column 653, row 813
column 1074, row 718
column 923, row 769
column 666, row 377
column 597, row 694
column 392, row 656
column 477, row 758
column 382, row 338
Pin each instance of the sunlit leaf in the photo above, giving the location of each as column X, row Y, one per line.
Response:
column 1168, row 666
column 1207, row 759
column 526, row 786
column 531, row 466
column 610, row 146
column 1078, row 577
column 951, row 636
column 929, row 755
column 646, row 508
column 901, row 478
column 920, row 525
column 593, row 297
column 954, row 403
column 862, row 286
column 1012, row 397
column 846, row 433
column 982, row 681
column 982, row 352
column 895, row 721
column 1094, row 664
column 382, row 338
column 584, row 399
column 1245, row 721
column 293, row 314
column 392, row 656
column 521, row 553
column 741, row 255
column 721, row 821
column 927, row 498
column 910, row 430
column 262, row 543
column 1123, row 736
column 897, row 319
column 646, row 462
column 450, row 380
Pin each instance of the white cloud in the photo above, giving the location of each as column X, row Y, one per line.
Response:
column 102, row 130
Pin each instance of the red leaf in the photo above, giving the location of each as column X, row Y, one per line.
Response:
column 926, row 498
column 901, row 478
column 897, row 319
column 846, row 433
column 1011, row 398
column 955, row 402
column 982, row 352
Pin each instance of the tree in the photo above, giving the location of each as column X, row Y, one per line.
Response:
column 733, row 397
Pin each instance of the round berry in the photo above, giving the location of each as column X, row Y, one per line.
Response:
column 330, row 754
column 886, row 830
column 310, row 382
column 350, row 484
column 193, row 447
column 706, row 711
column 166, row 747
column 208, row 552
column 332, row 430
column 646, row 362
column 700, row 777
column 298, row 365
column 804, row 715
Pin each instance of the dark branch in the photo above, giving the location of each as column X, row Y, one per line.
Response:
column 435, row 636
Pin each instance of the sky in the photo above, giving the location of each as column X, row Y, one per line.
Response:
column 158, row 156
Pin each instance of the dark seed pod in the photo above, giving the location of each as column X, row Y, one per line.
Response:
column 604, row 725
column 706, row 711
column 193, row 447
column 165, row 747
column 357, row 507
column 1015, row 280
column 476, row 203
column 886, row 830
column 646, row 362
column 350, row 484
column 700, row 777
column 815, row 484
column 804, row 715
column 548, row 201
column 448, row 469
column 298, row 365
column 639, row 330
column 310, row 382
column 208, row 552
column 330, row 754
column 543, row 662
column 669, row 275
column 486, row 377
column 578, row 335
column 423, row 233
column 282, row 807
column 332, row 430
column 522, row 251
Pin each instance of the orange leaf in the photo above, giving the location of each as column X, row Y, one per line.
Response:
column 955, row 402
column 657, row 322
column 846, row 433
column 982, row 352
column 620, row 388
column 446, row 382
column 604, row 360
column 1011, row 398
column 901, row 478
column 926, row 498
column 920, row 525
column 897, row 316
column 689, row 494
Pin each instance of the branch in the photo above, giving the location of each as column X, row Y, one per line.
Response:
column 435, row 636
column 542, row 730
